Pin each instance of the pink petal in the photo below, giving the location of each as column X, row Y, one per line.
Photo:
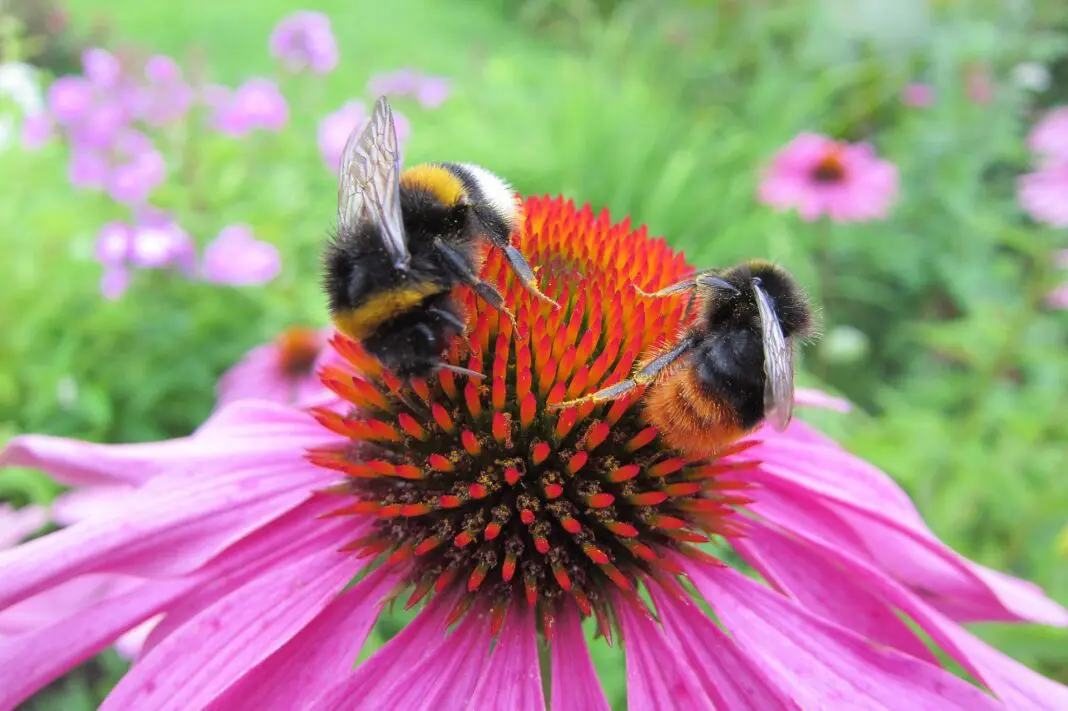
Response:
column 424, row 668
column 34, row 658
column 77, row 463
column 16, row 524
column 885, row 527
column 71, row 596
column 512, row 678
column 658, row 677
column 1016, row 685
column 215, row 648
column 817, row 586
column 575, row 686
column 729, row 678
column 89, row 501
column 320, row 654
column 175, row 523
column 810, row 397
column 823, row 665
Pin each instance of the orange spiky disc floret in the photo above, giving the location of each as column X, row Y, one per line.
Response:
column 298, row 349
column 478, row 485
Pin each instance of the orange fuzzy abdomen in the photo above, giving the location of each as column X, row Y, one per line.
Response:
column 688, row 418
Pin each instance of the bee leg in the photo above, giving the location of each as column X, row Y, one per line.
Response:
column 646, row 375
column 461, row 371
column 525, row 273
column 457, row 263
column 453, row 320
column 705, row 278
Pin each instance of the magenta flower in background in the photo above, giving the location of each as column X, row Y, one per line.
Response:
column 37, row 130
column 102, row 68
column 87, row 168
column 429, row 91
column 70, row 99
column 160, row 244
column 1049, row 137
column 281, row 371
column 165, row 97
column 334, row 130
column 918, row 96
column 819, row 176
column 304, row 41
column 256, row 104
column 154, row 242
column 1058, row 298
column 1042, row 195
column 979, row 84
column 247, row 535
column 236, row 258
column 137, row 168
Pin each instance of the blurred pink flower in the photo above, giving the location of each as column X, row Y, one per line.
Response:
column 114, row 282
column 281, row 371
column 257, row 103
column 429, row 91
column 165, row 97
column 1049, row 137
column 87, row 168
column 137, row 168
column 159, row 244
column 305, row 41
column 113, row 242
column 37, row 130
column 70, row 99
column 334, row 130
column 1060, row 259
column 102, row 68
column 1058, row 298
column 918, row 96
column 235, row 257
column 1044, row 195
column 820, row 176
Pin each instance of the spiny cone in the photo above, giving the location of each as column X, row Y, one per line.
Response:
column 478, row 486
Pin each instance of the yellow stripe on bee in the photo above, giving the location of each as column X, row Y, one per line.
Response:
column 360, row 322
column 440, row 182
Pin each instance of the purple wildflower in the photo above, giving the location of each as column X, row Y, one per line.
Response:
column 304, row 41
column 257, row 103
column 334, row 130
column 235, row 257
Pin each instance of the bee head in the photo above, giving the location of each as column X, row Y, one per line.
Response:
column 483, row 197
column 787, row 298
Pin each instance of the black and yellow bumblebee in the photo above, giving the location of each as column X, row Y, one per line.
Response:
column 405, row 240
column 733, row 368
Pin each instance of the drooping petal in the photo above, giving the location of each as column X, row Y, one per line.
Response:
column 1016, row 685
column 16, row 524
column 170, row 528
column 818, row 586
column 575, row 686
column 658, row 675
column 428, row 669
column 810, row 397
column 883, row 525
column 726, row 674
column 512, row 678
column 31, row 660
column 205, row 656
column 323, row 652
column 90, row 501
column 823, row 665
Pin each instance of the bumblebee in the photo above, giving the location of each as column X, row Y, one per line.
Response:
column 733, row 368
column 404, row 240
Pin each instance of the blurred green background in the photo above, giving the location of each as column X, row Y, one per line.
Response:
column 934, row 320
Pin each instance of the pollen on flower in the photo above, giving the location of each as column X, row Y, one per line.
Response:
column 476, row 485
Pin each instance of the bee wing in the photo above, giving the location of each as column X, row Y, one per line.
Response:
column 778, row 365
column 369, row 182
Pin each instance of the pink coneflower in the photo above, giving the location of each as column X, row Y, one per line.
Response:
column 281, row 371
column 1042, row 194
column 1049, row 137
column 304, row 41
column 918, row 96
column 271, row 538
column 236, row 258
column 820, row 176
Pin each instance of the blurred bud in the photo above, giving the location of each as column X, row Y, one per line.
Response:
column 1058, row 298
column 304, row 41
column 844, row 345
column 918, row 96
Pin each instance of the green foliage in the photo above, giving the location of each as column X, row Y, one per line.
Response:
column 934, row 319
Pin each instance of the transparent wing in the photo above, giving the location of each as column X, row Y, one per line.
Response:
column 778, row 365
column 369, row 182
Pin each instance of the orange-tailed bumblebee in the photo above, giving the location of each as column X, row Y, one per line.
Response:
column 736, row 361
column 405, row 239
